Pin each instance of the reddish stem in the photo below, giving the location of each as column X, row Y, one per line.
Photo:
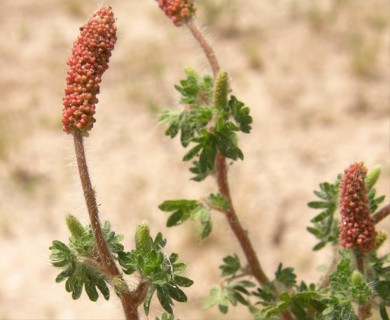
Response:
column 364, row 310
column 207, row 49
column 381, row 214
column 222, row 180
column 240, row 233
column 108, row 263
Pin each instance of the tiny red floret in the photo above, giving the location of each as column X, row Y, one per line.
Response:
column 89, row 60
column 357, row 228
column 179, row 11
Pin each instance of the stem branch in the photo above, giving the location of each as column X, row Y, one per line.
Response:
column 363, row 309
column 222, row 180
column 108, row 263
column 207, row 49
column 381, row 214
column 240, row 233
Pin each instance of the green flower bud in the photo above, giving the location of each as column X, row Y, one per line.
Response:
column 143, row 241
column 372, row 177
column 221, row 90
column 380, row 239
column 357, row 278
column 75, row 227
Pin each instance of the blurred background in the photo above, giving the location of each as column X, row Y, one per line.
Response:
column 315, row 74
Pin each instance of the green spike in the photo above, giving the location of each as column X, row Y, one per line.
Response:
column 74, row 226
column 380, row 239
column 143, row 241
column 221, row 90
column 372, row 177
column 357, row 278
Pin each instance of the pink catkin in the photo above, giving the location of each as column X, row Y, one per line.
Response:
column 357, row 228
column 179, row 11
column 90, row 55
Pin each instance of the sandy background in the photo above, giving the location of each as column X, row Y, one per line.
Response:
column 315, row 73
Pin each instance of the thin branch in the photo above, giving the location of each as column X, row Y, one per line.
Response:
column 207, row 49
column 364, row 310
column 222, row 179
column 234, row 223
column 381, row 214
column 108, row 263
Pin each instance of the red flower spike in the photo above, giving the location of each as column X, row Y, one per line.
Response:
column 179, row 11
column 357, row 228
column 90, row 55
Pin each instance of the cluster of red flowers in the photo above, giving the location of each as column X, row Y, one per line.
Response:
column 178, row 11
column 89, row 60
column 357, row 228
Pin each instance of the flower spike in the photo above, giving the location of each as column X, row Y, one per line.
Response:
column 90, row 55
column 357, row 228
column 179, row 11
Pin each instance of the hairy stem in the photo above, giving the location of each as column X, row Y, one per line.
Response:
column 222, row 180
column 108, row 263
column 363, row 309
column 381, row 214
column 240, row 233
column 207, row 49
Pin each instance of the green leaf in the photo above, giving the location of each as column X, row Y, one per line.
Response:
column 165, row 299
column 286, row 276
column 383, row 312
column 77, row 289
column 103, row 288
column 318, row 204
column 240, row 113
column 91, row 291
column 192, row 152
column 182, row 281
column 63, row 275
column 171, row 205
column 320, row 217
column 217, row 296
column 227, row 145
column 148, row 299
column 278, row 308
column 231, row 266
column 218, row 202
column 176, row 218
column 185, row 209
column 176, row 293
column 319, row 246
column 325, row 225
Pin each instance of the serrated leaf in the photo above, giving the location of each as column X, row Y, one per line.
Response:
column 231, row 266
column 285, row 276
column 218, row 201
column 240, row 113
